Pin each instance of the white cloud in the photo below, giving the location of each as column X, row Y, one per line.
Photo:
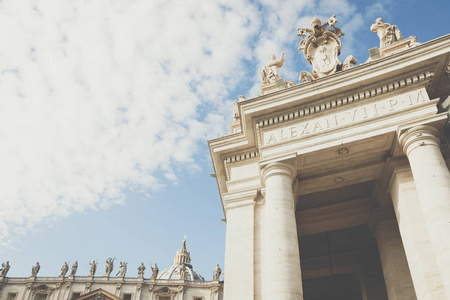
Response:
column 98, row 97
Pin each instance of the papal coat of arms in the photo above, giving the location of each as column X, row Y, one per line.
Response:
column 322, row 48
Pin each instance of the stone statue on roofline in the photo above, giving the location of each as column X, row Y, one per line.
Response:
column 388, row 34
column 216, row 273
column 92, row 268
column 35, row 269
column 74, row 268
column 141, row 270
column 236, row 113
column 64, row 269
column 123, row 269
column 322, row 46
column 109, row 266
column 155, row 271
column 270, row 73
column 5, row 268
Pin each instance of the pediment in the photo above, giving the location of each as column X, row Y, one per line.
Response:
column 98, row 294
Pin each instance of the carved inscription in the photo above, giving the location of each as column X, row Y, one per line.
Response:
column 347, row 117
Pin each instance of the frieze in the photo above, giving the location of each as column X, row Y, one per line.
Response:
column 346, row 117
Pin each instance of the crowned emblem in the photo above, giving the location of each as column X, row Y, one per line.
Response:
column 322, row 48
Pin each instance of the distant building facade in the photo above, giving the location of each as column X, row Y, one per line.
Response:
column 178, row 282
column 339, row 187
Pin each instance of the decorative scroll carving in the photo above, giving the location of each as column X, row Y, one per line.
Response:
column 349, row 62
column 306, row 77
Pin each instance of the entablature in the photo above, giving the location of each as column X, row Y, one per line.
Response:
column 371, row 100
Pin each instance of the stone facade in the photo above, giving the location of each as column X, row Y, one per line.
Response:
column 168, row 285
column 339, row 187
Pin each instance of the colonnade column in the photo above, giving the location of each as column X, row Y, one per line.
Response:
column 432, row 180
column 281, row 258
column 239, row 246
column 396, row 272
column 419, row 252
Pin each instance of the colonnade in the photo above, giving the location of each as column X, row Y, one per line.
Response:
column 414, row 250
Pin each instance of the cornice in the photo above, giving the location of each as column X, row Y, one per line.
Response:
column 345, row 100
column 238, row 157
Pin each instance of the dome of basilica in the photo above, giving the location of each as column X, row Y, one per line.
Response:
column 181, row 267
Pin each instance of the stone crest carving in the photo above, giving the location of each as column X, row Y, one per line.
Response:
column 166, row 291
column 322, row 48
column 42, row 288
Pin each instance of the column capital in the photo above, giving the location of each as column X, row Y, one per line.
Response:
column 278, row 168
column 418, row 136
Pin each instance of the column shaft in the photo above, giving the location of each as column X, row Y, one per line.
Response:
column 419, row 252
column 238, row 270
column 432, row 180
column 393, row 260
column 281, row 258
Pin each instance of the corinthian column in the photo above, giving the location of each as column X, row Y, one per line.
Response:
column 432, row 180
column 281, row 258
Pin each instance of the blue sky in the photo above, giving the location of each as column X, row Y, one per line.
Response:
column 106, row 107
